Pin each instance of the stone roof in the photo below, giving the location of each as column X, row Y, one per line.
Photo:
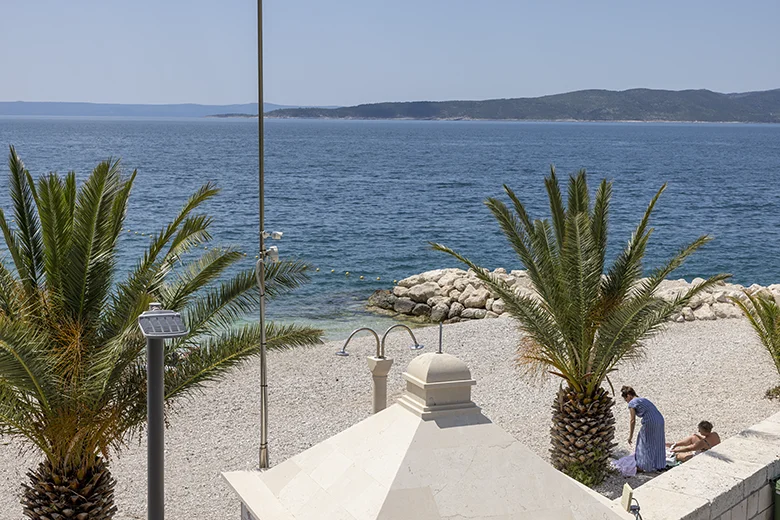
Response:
column 432, row 456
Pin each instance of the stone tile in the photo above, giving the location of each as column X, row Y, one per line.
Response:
column 752, row 505
column 658, row 503
column 765, row 497
column 739, row 512
column 331, row 469
column 725, row 516
column 409, row 503
column 367, row 504
column 322, row 507
column 257, row 498
column 297, row 493
column 766, row 514
column 714, row 463
column 722, row 492
column 280, row 476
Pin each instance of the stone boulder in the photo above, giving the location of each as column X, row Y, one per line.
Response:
column 400, row 292
column 448, row 280
column 421, row 309
column 498, row 306
column 421, row 293
column 687, row 314
column 433, row 276
column 476, row 300
column 726, row 310
column 382, row 299
column 473, row 314
column 403, row 305
column 704, row 313
column 439, row 313
column 412, row 281
column 455, row 310
column 433, row 301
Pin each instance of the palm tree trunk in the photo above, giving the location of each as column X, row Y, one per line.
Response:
column 58, row 492
column 582, row 433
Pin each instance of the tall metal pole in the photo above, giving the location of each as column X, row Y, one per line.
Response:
column 155, row 449
column 261, row 262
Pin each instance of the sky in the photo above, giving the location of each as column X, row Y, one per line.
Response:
column 345, row 52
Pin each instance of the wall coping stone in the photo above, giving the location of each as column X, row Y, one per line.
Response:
column 714, row 482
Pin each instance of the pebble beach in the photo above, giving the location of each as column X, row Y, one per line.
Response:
column 713, row 370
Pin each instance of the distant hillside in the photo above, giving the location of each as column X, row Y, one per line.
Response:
column 583, row 105
column 28, row 108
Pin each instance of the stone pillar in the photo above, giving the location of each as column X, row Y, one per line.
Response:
column 379, row 367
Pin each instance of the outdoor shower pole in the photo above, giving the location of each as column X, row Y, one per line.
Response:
column 261, row 261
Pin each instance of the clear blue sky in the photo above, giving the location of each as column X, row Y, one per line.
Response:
column 343, row 52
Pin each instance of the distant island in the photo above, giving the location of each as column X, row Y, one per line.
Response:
column 582, row 105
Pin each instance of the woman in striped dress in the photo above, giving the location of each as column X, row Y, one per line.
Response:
column 650, row 442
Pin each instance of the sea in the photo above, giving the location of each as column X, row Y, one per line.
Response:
column 360, row 201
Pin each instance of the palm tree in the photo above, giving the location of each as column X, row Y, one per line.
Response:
column 763, row 314
column 72, row 358
column 582, row 321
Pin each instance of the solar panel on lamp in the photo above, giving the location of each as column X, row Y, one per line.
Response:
column 162, row 324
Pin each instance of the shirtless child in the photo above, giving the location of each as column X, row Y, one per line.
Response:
column 701, row 441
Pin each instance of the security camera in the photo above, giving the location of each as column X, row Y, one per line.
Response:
column 273, row 253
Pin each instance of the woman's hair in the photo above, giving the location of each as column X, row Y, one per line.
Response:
column 705, row 426
column 627, row 391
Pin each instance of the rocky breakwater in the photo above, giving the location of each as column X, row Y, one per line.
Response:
column 452, row 295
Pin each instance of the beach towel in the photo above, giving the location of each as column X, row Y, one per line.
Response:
column 625, row 465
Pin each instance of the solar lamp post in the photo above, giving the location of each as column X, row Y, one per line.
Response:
column 157, row 325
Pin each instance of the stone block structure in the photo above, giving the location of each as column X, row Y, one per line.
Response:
column 732, row 481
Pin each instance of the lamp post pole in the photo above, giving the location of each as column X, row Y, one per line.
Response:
column 261, row 261
column 157, row 325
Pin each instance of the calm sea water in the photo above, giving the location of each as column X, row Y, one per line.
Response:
column 367, row 196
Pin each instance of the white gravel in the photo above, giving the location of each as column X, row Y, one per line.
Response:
column 712, row 370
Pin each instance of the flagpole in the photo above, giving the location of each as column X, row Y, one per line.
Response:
column 261, row 261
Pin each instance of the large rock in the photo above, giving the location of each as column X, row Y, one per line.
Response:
column 473, row 314
column 498, row 306
column 455, row 310
column 421, row 293
column 465, row 293
column 489, row 304
column 412, row 281
column 421, row 309
column 687, row 314
column 448, row 280
column 433, row 276
column 491, row 315
column 460, row 284
column 704, row 313
column 454, row 295
column 400, row 292
column 382, row 299
column 697, row 301
column 403, row 305
column 433, row 301
column 439, row 313
column 726, row 310
column 477, row 299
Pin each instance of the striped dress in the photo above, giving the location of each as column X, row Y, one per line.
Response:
column 651, row 441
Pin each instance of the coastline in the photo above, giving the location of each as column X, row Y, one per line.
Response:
column 465, row 119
